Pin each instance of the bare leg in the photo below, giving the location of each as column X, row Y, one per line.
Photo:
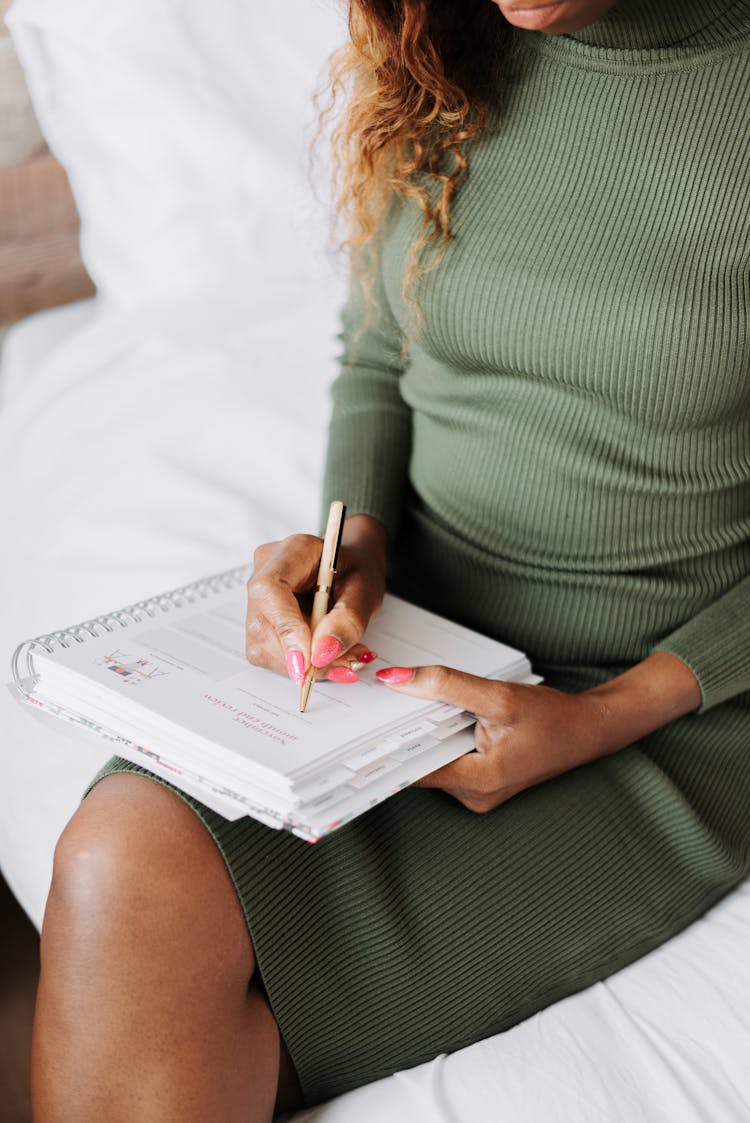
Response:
column 144, row 1011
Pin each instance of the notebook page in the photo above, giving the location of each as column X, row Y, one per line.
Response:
column 187, row 668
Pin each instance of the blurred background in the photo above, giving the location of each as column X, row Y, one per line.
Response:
column 40, row 267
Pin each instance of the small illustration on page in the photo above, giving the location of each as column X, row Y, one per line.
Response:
column 132, row 671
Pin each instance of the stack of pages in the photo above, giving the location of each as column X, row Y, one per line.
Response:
column 167, row 681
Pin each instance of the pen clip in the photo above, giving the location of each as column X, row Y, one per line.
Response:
column 335, row 559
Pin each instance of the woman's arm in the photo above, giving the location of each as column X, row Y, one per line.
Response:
column 715, row 645
column 527, row 734
column 643, row 698
column 369, row 441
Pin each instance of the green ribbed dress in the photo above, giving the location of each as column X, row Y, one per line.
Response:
column 564, row 462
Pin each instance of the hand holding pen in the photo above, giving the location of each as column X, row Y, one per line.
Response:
column 279, row 634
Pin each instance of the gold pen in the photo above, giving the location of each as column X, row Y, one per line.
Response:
column 326, row 570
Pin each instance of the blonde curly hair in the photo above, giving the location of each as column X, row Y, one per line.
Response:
column 417, row 78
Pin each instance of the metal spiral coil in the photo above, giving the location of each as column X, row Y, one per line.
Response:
column 22, row 661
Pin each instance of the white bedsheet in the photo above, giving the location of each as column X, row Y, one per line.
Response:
column 144, row 448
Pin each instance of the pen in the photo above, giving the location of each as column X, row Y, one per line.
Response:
column 326, row 570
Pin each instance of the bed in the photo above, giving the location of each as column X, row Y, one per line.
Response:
column 157, row 432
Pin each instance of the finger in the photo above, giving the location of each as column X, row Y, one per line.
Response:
column 340, row 673
column 277, row 632
column 361, row 656
column 444, row 684
column 461, row 775
column 343, row 627
column 356, row 659
column 265, row 648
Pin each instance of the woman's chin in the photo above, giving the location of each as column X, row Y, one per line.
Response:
column 556, row 17
column 534, row 17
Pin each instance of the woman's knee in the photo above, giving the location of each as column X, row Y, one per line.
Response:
column 146, row 969
column 135, row 865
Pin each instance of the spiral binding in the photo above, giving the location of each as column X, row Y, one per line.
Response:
column 22, row 662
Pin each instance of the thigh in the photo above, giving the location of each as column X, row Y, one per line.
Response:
column 136, row 857
column 145, row 988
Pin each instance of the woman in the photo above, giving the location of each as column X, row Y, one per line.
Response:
column 542, row 429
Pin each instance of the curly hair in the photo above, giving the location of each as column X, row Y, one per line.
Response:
column 417, row 76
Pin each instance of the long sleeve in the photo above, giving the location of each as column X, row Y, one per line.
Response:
column 715, row 644
column 578, row 447
column 370, row 430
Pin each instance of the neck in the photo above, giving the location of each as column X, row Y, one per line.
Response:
column 640, row 24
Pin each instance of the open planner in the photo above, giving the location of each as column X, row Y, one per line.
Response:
column 167, row 682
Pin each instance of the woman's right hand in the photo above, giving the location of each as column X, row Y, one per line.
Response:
column 279, row 596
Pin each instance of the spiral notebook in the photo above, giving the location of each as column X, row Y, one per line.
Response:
column 166, row 682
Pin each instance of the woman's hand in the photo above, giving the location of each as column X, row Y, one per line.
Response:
column 277, row 630
column 526, row 734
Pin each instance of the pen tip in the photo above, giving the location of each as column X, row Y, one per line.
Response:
column 305, row 691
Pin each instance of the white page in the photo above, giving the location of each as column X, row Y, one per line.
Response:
column 188, row 667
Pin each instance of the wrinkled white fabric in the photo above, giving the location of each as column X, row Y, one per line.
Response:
column 149, row 447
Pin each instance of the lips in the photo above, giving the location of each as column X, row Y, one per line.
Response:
column 533, row 17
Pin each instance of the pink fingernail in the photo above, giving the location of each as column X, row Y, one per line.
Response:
column 367, row 657
column 395, row 676
column 342, row 674
column 325, row 651
column 295, row 666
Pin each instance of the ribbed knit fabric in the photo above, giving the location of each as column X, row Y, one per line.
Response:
column 564, row 462
column 567, row 456
column 639, row 24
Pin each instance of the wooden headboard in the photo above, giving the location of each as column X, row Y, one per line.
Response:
column 40, row 265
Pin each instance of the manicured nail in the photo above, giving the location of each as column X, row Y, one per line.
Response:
column 342, row 674
column 295, row 666
column 395, row 676
column 367, row 656
column 325, row 651
column 357, row 666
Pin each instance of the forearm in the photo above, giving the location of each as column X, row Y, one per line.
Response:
column 574, row 729
column 645, row 697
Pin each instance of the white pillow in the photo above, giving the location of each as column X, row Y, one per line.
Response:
column 184, row 127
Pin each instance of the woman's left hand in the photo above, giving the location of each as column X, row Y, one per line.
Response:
column 524, row 734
